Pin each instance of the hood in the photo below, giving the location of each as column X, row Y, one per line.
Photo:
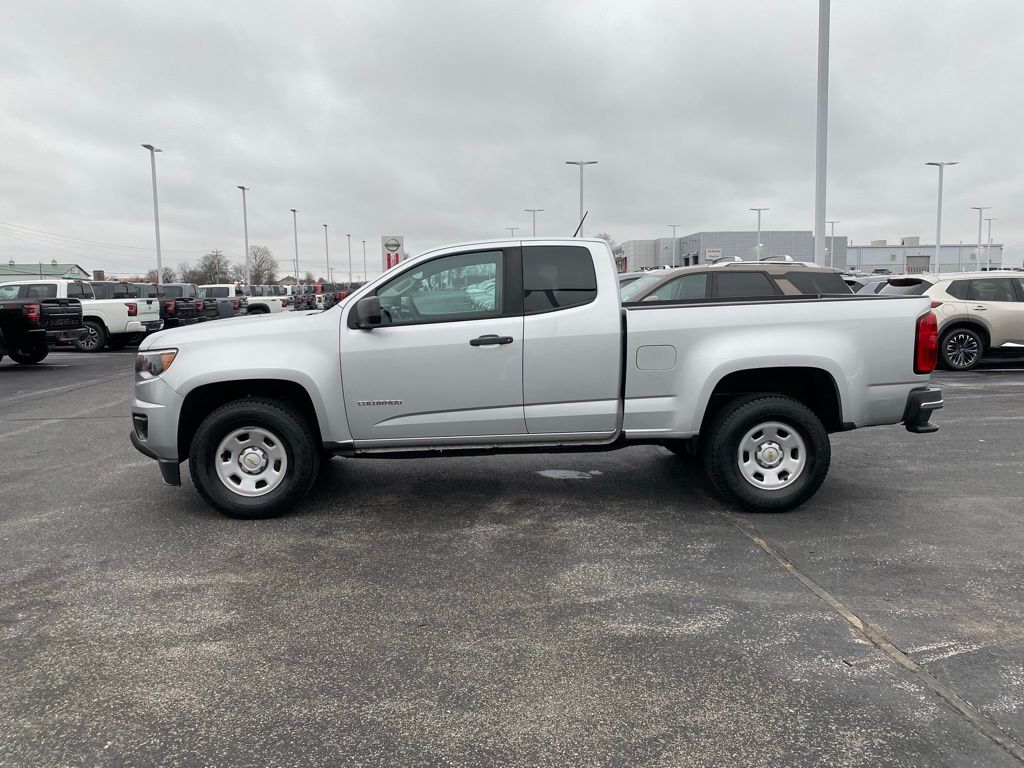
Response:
column 247, row 326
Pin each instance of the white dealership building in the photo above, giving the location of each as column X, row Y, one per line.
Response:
column 906, row 255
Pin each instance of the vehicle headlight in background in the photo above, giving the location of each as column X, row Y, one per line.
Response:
column 153, row 363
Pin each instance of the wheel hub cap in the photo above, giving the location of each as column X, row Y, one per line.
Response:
column 771, row 456
column 251, row 461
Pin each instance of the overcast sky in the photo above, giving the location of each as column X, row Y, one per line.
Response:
column 443, row 120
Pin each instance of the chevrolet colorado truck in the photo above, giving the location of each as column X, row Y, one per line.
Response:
column 524, row 345
column 31, row 320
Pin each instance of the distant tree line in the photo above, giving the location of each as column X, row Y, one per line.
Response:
column 214, row 267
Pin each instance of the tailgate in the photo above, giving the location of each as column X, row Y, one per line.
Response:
column 149, row 309
column 184, row 308
column 60, row 313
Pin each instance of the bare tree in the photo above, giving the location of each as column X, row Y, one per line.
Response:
column 214, row 267
column 262, row 265
column 167, row 275
column 309, row 278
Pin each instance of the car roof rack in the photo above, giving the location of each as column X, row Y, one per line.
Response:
column 726, row 259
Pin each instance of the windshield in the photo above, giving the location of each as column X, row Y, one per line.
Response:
column 639, row 287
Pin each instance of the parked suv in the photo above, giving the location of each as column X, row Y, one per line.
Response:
column 977, row 312
column 736, row 279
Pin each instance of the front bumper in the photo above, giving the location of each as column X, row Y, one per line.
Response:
column 920, row 405
column 170, row 470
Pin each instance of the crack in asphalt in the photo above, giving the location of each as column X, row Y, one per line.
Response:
column 874, row 635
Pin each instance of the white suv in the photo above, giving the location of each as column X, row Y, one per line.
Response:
column 977, row 312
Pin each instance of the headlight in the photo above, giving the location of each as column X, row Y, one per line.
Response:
column 150, row 364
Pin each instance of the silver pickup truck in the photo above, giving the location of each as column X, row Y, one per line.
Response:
column 525, row 346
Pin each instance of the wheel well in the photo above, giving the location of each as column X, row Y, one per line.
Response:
column 202, row 401
column 813, row 387
column 95, row 319
column 971, row 326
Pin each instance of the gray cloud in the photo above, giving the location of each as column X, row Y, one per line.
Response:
column 443, row 121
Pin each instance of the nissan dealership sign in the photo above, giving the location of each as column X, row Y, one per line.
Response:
column 392, row 250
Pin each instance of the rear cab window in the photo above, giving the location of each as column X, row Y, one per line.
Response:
column 557, row 277
column 815, row 283
column 41, row 291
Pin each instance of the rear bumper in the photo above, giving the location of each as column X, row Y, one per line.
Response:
column 61, row 335
column 920, row 405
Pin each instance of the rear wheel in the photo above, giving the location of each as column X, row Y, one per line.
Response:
column 29, row 356
column 767, row 453
column 254, row 458
column 95, row 338
column 961, row 349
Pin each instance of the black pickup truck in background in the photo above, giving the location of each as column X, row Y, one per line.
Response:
column 29, row 324
column 177, row 302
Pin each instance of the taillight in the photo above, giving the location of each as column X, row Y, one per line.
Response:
column 199, row 305
column 133, row 308
column 234, row 303
column 284, row 303
column 169, row 306
column 32, row 312
column 926, row 344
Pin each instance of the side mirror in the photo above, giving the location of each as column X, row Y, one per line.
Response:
column 368, row 312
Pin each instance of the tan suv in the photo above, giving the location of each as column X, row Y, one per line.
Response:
column 736, row 280
column 977, row 312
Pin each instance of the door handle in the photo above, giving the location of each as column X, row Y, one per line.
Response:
column 489, row 339
column 980, row 309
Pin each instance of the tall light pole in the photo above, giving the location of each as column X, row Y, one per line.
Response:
column 349, row 236
column 534, row 211
column 938, row 216
column 156, row 210
column 979, row 209
column 365, row 276
column 327, row 254
column 675, row 244
column 245, row 227
column 512, row 231
column 988, row 244
column 832, row 243
column 757, row 245
column 821, row 142
column 295, row 229
column 581, row 163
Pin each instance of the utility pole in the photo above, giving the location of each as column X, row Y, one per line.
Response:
column 512, row 231
column 366, row 277
column 757, row 245
column 675, row 244
column 349, row 236
column 534, row 211
column 821, row 142
column 979, row 209
column 938, row 216
column 581, row 163
column 327, row 254
column 988, row 244
column 156, row 211
column 295, row 228
column 832, row 244
column 245, row 225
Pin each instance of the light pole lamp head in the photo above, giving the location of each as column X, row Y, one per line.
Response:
column 151, row 148
column 581, row 163
column 243, row 187
column 954, row 162
column 293, row 210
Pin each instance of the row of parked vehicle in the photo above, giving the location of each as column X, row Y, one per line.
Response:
column 978, row 313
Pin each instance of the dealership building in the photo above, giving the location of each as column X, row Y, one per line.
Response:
column 907, row 255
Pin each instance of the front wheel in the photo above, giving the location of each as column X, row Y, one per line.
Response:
column 29, row 356
column 254, row 458
column 767, row 453
column 961, row 349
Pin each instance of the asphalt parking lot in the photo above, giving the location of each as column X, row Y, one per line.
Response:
column 585, row 609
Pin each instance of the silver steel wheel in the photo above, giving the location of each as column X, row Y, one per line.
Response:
column 962, row 349
column 771, row 456
column 251, row 461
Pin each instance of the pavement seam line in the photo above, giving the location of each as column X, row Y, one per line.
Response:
column 878, row 639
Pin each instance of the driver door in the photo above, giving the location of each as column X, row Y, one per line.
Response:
column 447, row 360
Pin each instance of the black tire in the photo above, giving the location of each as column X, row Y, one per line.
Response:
column 286, row 425
column 722, row 457
column 29, row 356
column 93, row 341
column 961, row 349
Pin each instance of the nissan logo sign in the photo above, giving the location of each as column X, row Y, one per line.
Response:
column 392, row 244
